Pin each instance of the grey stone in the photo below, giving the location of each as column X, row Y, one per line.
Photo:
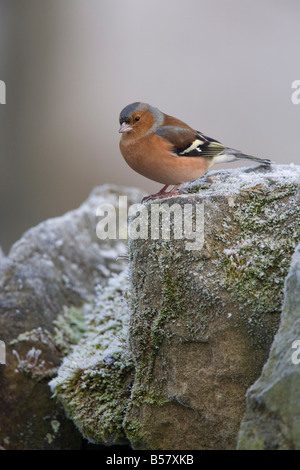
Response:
column 272, row 418
column 204, row 320
column 95, row 379
column 201, row 321
column 46, row 282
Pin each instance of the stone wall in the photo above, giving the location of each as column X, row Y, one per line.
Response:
column 161, row 350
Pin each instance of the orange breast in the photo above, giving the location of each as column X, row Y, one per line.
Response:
column 151, row 156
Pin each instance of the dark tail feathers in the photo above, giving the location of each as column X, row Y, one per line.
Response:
column 241, row 155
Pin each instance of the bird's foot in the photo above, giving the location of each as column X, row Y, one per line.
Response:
column 162, row 193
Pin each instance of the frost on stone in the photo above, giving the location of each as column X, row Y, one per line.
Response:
column 260, row 231
column 94, row 380
column 231, row 181
column 47, row 281
column 69, row 327
column 201, row 321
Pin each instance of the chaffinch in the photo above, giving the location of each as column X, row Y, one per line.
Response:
column 167, row 150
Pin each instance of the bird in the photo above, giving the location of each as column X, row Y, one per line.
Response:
column 165, row 149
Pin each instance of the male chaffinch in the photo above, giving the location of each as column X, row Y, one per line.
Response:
column 167, row 150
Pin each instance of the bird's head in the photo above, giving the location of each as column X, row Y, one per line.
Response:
column 139, row 118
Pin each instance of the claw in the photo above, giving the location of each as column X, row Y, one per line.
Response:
column 162, row 193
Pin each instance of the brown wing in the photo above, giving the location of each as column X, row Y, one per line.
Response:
column 189, row 143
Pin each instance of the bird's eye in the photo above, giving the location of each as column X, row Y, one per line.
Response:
column 137, row 118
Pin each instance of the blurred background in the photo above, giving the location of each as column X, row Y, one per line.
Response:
column 70, row 66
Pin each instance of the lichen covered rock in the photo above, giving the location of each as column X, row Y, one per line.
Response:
column 272, row 418
column 202, row 320
column 94, row 381
column 47, row 281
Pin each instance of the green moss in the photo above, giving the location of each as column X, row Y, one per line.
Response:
column 69, row 328
column 134, row 432
column 197, row 188
column 263, row 234
column 105, row 395
column 148, row 331
column 172, row 306
column 96, row 398
column 251, row 443
column 94, row 381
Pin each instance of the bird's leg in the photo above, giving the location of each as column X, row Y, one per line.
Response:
column 162, row 193
column 163, row 190
column 173, row 191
